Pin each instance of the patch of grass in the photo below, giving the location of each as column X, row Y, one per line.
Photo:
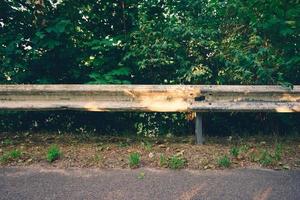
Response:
column 97, row 158
column 244, row 149
column 12, row 155
column 224, row 161
column 4, row 158
column 254, row 157
column 53, row 153
column 123, row 144
column 234, row 151
column 7, row 142
column 147, row 146
column 163, row 160
column 265, row 158
column 15, row 154
column 134, row 159
column 176, row 162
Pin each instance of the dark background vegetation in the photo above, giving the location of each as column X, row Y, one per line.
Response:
column 149, row 42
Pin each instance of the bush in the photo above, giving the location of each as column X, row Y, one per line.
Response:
column 53, row 153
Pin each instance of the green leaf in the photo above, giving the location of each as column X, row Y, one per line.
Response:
column 40, row 34
column 59, row 27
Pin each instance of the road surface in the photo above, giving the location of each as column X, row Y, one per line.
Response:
column 42, row 183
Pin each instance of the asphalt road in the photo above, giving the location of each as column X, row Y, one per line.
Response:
column 41, row 183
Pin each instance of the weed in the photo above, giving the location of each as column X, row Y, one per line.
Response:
column 96, row 158
column 53, row 153
column 265, row 158
column 123, row 144
column 163, row 160
column 278, row 152
column 244, row 148
column 4, row 158
column 253, row 156
column 15, row 154
column 234, row 151
column 224, row 161
column 7, row 142
column 147, row 146
column 12, row 155
column 134, row 159
column 176, row 162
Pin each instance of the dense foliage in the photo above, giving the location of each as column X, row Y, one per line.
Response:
column 150, row 42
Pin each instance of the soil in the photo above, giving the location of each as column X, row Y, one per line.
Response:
column 84, row 151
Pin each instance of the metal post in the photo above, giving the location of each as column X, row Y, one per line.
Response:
column 198, row 129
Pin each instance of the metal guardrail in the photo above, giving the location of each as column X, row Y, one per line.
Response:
column 152, row 98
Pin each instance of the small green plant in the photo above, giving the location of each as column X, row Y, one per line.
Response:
column 224, row 161
column 15, row 154
column 12, row 155
column 163, row 160
column 234, row 151
column 4, row 158
column 147, row 146
column 265, row 158
column 244, row 149
column 7, row 142
column 53, row 153
column 278, row 152
column 134, row 159
column 176, row 162
column 97, row 158
column 123, row 144
column 254, row 157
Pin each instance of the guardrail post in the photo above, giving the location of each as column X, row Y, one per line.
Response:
column 198, row 129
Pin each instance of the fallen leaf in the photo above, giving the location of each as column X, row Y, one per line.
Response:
column 262, row 142
column 141, row 175
column 151, row 155
column 180, row 153
column 286, row 167
column 99, row 148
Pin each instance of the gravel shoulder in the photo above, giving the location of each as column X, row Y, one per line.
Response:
column 83, row 151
